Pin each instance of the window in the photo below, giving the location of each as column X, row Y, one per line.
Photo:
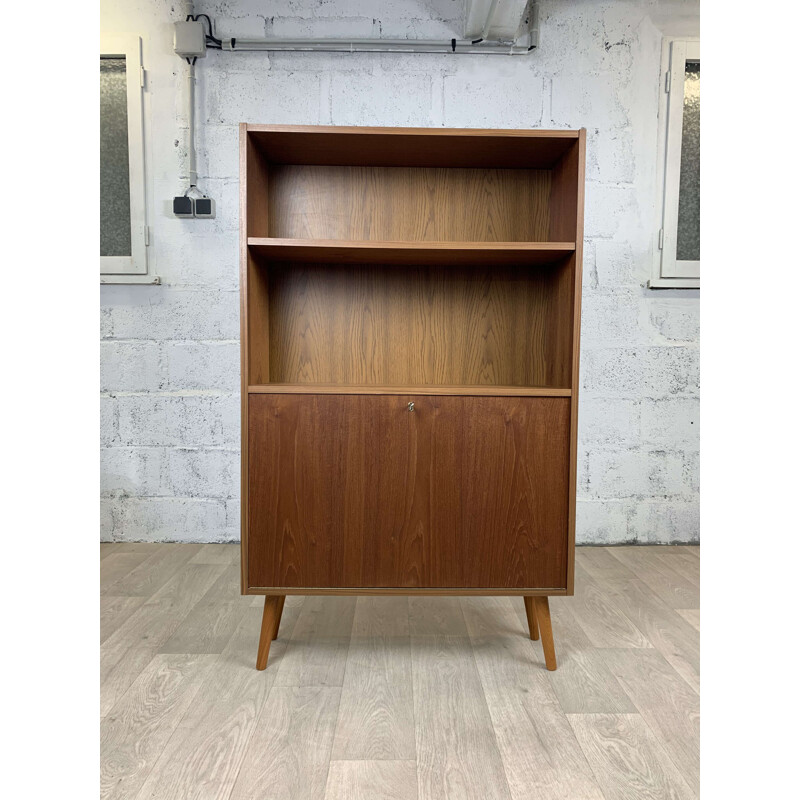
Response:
column 677, row 262
column 123, row 218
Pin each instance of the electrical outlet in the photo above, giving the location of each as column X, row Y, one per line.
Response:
column 204, row 208
column 183, row 206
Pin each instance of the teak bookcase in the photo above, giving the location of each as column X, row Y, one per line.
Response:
column 410, row 338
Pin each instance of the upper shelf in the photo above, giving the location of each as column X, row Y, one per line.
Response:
column 412, row 147
column 335, row 251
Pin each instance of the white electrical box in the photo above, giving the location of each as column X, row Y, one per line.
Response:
column 190, row 39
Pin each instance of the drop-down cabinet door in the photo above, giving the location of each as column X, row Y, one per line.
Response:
column 407, row 491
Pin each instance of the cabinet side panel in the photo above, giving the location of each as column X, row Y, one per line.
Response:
column 243, row 346
column 566, row 219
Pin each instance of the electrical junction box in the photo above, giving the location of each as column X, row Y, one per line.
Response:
column 190, row 39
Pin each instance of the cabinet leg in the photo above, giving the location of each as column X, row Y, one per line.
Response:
column 278, row 613
column 268, row 628
column 542, row 608
column 533, row 625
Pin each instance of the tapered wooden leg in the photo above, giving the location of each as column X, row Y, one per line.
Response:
column 533, row 625
column 278, row 613
column 542, row 609
column 268, row 626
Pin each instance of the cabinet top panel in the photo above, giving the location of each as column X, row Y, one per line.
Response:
column 411, row 147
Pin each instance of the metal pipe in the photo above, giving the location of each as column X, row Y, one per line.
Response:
column 457, row 46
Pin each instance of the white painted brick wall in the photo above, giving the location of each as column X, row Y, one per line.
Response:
column 170, row 355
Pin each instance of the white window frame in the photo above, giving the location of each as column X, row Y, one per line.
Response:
column 133, row 268
column 668, row 272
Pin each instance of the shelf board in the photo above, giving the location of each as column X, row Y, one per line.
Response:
column 335, row 251
column 466, row 391
column 468, row 148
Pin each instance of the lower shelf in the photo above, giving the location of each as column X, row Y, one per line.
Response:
column 457, row 391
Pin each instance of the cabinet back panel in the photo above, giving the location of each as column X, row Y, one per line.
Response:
column 356, row 491
column 408, row 204
column 421, row 325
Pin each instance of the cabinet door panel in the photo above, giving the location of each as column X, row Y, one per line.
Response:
column 356, row 491
column 515, row 479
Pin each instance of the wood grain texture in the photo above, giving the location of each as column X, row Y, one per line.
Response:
column 692, row 616
column 670, row 708
column 662, row 626
column 207, row 749
column 413, row 147
column 533, row 624
column 542, row 606
column 672, row 587
column 627, row 758
column 409, row 204
column 211, row 743
column 141, row 723
column 457, row 754
column 541, row 756
column 376, row 719
column 464, row 492
column 134, row 644
column 114, row 611
column 417, row 325
column 440, row 389
column 602, row 621
column 152, row 572
column 368, row 780
column 269, row 622
column 583, row 682
column 209, row 625
column 317, row 653
column 339, row 251
column 290, row 748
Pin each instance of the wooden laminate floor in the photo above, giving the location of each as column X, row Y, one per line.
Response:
column 398, row 698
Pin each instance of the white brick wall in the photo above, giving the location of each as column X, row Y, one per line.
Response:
column 170, row 356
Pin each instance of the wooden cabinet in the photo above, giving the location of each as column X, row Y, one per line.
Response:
column 410, row 319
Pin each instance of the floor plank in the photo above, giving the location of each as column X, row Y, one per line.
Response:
column 154, row 571
column 114, row 610
column 658, row 573
column 583, row 682
column 692, row 616
column 207, row 750
column 136, row 730
column 131, row 647
column 627, row 759
column 218, row 554
column 289, row 752
column 376, row 719
column 670, row 708
column 372, row 780
column 457, row 753
column 602, row 622
column 209, row 625
column 664, row 628
column 317, row 652
column 539, row 750
column 116, row 566
column 397, row 697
